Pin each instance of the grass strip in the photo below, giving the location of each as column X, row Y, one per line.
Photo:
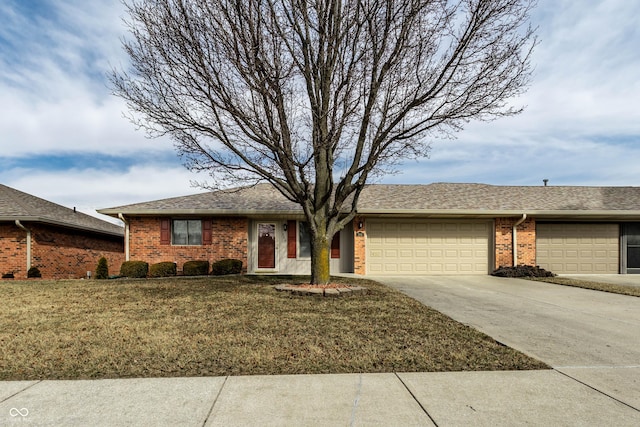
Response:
column 586, row 284
column 237, row 325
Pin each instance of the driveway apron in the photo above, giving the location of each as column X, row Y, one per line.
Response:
column 590, row 336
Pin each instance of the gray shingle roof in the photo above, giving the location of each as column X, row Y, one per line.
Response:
column 483, row 197
column 262, row 198
column 443, row 198
column 16, row 205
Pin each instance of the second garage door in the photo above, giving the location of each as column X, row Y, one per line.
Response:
column 427, row 247
column 578, row 248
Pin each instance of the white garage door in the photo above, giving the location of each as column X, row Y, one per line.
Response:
column 427, row 247
column 578, row 248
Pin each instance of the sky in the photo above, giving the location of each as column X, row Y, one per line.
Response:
column 64, row 136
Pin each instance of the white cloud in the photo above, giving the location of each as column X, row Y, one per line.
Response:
column 72, row 124
column 581, row 125
column 54, row 93
column 90, row 189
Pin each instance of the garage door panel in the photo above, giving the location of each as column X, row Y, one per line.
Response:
column 427, row 247
column 466, row 253
column 578, row 248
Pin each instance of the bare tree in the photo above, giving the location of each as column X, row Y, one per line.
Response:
column 317, row 97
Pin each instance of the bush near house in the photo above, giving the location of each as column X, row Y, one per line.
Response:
column 34, row 272
column 102, row 270
column 134, row 269
column 522, row 271
column 163, row 269
column 195, row 268
column 226, row 266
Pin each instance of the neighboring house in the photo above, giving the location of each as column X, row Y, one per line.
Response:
column 439, row 228
column 61, row 242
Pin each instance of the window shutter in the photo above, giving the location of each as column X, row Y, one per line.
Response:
column 335, row 246
column 207, row 232
column 165, row 231
column 291, row 239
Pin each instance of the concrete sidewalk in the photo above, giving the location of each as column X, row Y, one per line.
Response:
column 408, row 399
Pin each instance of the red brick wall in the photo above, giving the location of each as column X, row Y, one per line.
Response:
column 359, row 246
column 67, row 254
column 59, row 253
column 229, row 237
column 526, row 241
column 13, row 250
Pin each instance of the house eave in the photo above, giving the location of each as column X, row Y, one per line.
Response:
column 49, row 221
column 600, row 215
column 200, row 212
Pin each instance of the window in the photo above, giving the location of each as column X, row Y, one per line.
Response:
column 304, row 241
column 187, row 232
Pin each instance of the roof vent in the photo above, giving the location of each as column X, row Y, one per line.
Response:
column 545, row 181
column 74, row 208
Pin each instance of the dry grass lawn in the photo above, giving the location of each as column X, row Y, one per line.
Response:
column 588, row 284
column 235, row 325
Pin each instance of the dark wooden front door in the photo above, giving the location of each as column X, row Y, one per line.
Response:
column 266, row 246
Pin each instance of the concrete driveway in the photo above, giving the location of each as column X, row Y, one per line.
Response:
column 590, row 336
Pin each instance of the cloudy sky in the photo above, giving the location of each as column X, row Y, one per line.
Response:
column 63, row 136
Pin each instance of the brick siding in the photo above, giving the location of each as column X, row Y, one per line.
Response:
column 526, row 241
column 359, row 246
column 229, row 240
column 13, row 250
column 59, row 253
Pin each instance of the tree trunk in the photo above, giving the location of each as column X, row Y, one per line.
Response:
column 320, row 259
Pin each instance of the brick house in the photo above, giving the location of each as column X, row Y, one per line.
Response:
column 439, row 228
column 61, row 242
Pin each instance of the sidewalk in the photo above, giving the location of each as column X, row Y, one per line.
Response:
column 504, row 398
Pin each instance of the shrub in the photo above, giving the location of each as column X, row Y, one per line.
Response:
column 7, row 276
column 522, row 271
column 195, row 268
column 134, row 269
column 34, row 272
column 226, row 266
column 162, row 269
column 102, row 270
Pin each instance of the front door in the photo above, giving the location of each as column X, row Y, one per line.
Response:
column 266, row 245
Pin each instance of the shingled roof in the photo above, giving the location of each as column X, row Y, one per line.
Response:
column 447, row 199
column 16, row 205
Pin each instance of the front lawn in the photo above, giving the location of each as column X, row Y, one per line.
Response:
column 235, row 325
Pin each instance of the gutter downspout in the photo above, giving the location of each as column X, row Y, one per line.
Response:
column 126, row 236
column 28, row 242
column 515, row 239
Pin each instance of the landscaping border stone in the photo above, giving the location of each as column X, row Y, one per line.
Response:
column 332, row 290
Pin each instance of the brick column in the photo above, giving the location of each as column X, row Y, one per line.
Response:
column 526, row 241
column 359, row 246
